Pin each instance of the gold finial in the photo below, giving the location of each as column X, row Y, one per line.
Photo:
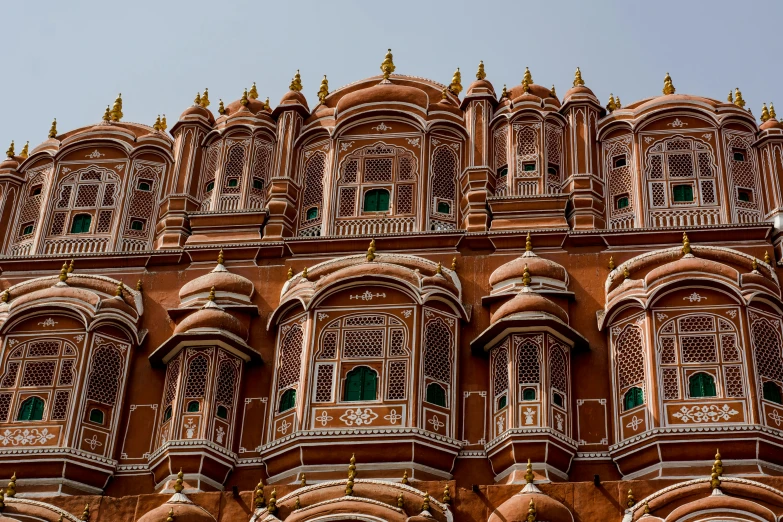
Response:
column 178, row 486
column 528, row 243
column 163, row 124
column 504, row 92
column 764, row 112
column 755, row 265
column 211, row 296
column 351, row 475
column 138, row 285
column 5, row 296
column 527, row 80
column 156, row 125
column 70, row 267
column 531, row 512
column 611, row 105
column 170, row 518
column 526, row 277
column 552, row 91
column 668, row 86
column 446, row 494
column 686, row 244
column 425, row 505
column 297, row 503
column 10, row 152
column 444, row 94
column 578, row 78
column 243, row 100
column 617, row 104
column 371, row 250
column 10, row 491
column 717, row 471
column 400, row 501
column 272, row 505
column 220, row 257
column 25, row 150
column 480, row 74
column 767, row 259
column 53, row 129
column 646, row 508
column 304, row 273
column 296, row 82
column 405, row 477
column 205, row 98
column 116, row 110
column 323, row 90
column 529, row 473
column 253, row 94
column 626, row 272
column 120, row 288
column 2, row 499
column 631, row 501
column 86, row 512
column 439, row 269
column 290, row 273
column 64, row 273
column 107, row 115
column 453, row 264
column 221, row 108
column 267, row 107
column 302, row 480
column 258, row 495
column 611, row 263
column 387, row 66
column 730, row 98
column 772, row 111
column 738, row 101
column 456, row 83
column 197, row 100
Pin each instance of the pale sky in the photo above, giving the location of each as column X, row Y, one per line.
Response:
column 69, row 59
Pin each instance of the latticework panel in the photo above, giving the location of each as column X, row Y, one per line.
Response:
column 38, row 373
column 500, row 369
column 328, row 345
column 735, row 386
column 397, row 380
column 196, row 377
column 444, row 167
column 767, row 349
column 30, row 210
column 289, row 365
column 346, row 206
column 262, row 163
column 668, row 350
column 105, row 375
column 47, row 348
column 172, row 381
column 528, row 360
column 363, row 343
column 324, row 378
column 698, row 349
column 313, row 191
column 629, row 349
column 377, row 170
column 558, row 368
column 500, row 149
column 8, row 379
column 397, row 345
column 5, row 405
column 696, row 323
column 729, row 349
column 671, row 383
column 225, row 390
column 405, row 199
column 67, row 373
column 142, row 203
column 60, row 407
column 438, row 343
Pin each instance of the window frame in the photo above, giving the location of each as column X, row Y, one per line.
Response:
column 73, row 223
column 363, row 370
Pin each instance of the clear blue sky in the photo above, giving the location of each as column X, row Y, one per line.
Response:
column 70, row 59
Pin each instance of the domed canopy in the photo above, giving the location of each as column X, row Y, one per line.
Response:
column 183, row 512
column 229, row 288
column 531, row 501
column 212, row 317
column 544, row 273
column 528, row 301
column 197, row 112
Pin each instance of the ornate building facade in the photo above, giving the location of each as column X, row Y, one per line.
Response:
column 404, row 304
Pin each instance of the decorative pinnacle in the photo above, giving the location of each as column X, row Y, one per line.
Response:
column 611, row 105
column 138, row 285
column 631, row 501
column 552, row 91
column 220, row 257
column 170, row 518
column 2, row 503
column 387, row 66
column 717, row 471
column 258, row 495
column 297, row 503
column 296, row 82
column 767, row 259
column 611, row 263
column 446, row 494
column 243, row 100
column 156, row 125
column 738, row 101
column 205, row 98
column 371, row 251
column 10, row 491
column 531, row 512
column 70, row 267
column 439, row 269
column 107, row 115
column 626, row 273
column 25, row 150
column 197, row 100
column 444, row 94
column 527, row 80
column 351, row 475
column 400, row 501
column 10, row 152
column 772, row 111
column 528, row 243
column 425, row 505
column 686, row 244
column 323, row 90
column 454, row 264
column 529, row 473
column 86, row 512
column 578, row 78
column 290, row 273
column 304, row 273
column 526, row 277
column 221, row 108
column 116, row 110
column 267, row 107
column 303, row 480
column 253, row 94
column 646, row 508
column 405, row 477
column 617, row 103
column 504, row 92
column 480, row 74
column 120, row 287
column 53, row 129
column 668, row 86
column 764, row 112
column 163, row 124
column 272, row 505
column 456, row 83
column 755, row 265
column 64, row 273
column 178, row 487
column 730, row 98
column 211, row 294
column 5, row 296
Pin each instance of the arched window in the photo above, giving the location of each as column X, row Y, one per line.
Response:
column 376, row 200
column 502, row 401
column 702, row 385
column 529, row 394
column 167, row 413
column 287, row 400
column 312, row 213
column 193, row 407
column 312, row 194
column 222, row 412
column 436, row 394
column 361, row 384
column 557, row 399
column 81, row 224
column 633, row 398
column 31, row 410
column 96, row 416
column 772, row 392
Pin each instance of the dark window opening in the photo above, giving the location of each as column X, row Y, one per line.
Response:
column 32, row 409
column 745, row 195
column 27, row 229
column 529, row 167
column 502, row 402
column 683, row 193
column 619, row 161
column 529, row 394
column 376, row 200
column 222, row 412
column 622, row 202
column 361, row 384
column 144, row 185
column 702, row 385
column 503, row 172
column 772, row 392
column 258, row 183
column 287, row 401
column 81, row 224
column 210, row 186
column 444, row 208
column 312, row 213
column 193, row 407
column 137, row 224
column 738, row 155
column 96, row 416
column 633, row 398
column 551, row 170
column 233, row 182
column 36, row 190
column 558, row 399
column 167, row 413
column 436, row 394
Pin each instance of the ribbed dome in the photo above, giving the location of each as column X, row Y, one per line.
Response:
column 212, row 317
column 539, row 267
column 480, row 87
column 385, row 93
column 182, row 513
column 197, row 111
column 516, row 508
column 529, row 301
column 228, row 287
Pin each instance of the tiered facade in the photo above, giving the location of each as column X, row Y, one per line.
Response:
column 493, row 306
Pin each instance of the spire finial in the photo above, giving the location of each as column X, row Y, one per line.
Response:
column 529, row 477
column 351, row 475
column 220, row 257
column 453, row 264
column 480, row 74
column 2, row 499
column 552, row 91
column 767, row 259
column 668, row 86
column 272, row 505
column 738, row 101
column 120, row 288
column 178, row 486
column 10, row 152
column 425, row 505
column 86, row 513
column 611, row 105
column 267, row 107
column 439, row 269
column 221, row 107
column 258, row 495
column 772, row 111
column 446, row 494
column 646, row 508
column 253, row 94
column 138, row 285
column 244, row 100
column 717, row 471
column 626, row 272
column 211, row 296
column 528, row 243
column 197, row 99
column 107, row 115
column 10, row 491
column 371, row 250
column 405, row 477
column 611, row 263
column 5, row 296
column 387, row 66
column 303, row 480
column 297, row 503
column 755, row 265
column 25, row 150
column 400, row 501
column 163, row 124
column 686, row 244
column 526, row 277
column 296, row 82
column 323, row 90
column 764, row 112
column 617, row 103
column 53, row 129
column 64, row 272
column 531, row 512
column 304, row 273
column 504, row 92
column 116, row 110
column 70, row 267
column 444, row 94
column 170, row 517
column 630, row 499
column 730, row 97
column 156, row 125
column 205, row 98
column 527, row 80
column 578, row 78
column 290, row 273
column 456, row 83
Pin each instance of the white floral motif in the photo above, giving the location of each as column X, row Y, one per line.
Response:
column 413, row 142
column 677, row 123
column 707, row 136
column 501, row 422
column 648, row 139
column 119, row 168
column 25, row 437
column 776, row 417
column 382, row 127
column 66, row 170
column 322, row 316
column 358, row 416
column 48, row 322
column 93, row 442
column 324, row 418
column 407, row 313
column 94, row 154
column 190, row 429
column 662, row 317
column 635, row 423
column 13, row 342
column 345, row 145
column 283, row 428
column 559, row 420
column 529, row 414
column 732, row 313
column 710, row 413
column 393, row 417
column 368, row 296
column 79, row 338
column 694, row 297
column 436, row 423
column 219, row 434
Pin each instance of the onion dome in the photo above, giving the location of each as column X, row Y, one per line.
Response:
column 546, row 274
column 527, row 302
column 11, row 161
column 531, row 504
column 229, row 288
column 198, row 111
